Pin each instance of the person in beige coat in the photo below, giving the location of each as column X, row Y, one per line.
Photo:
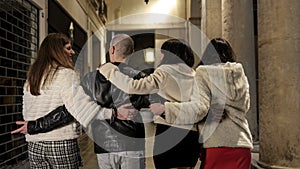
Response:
column 221, row 86
column 175, row 145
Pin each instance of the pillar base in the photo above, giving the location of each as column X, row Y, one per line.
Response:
column 256, row 164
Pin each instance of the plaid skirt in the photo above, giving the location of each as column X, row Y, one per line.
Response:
column 54, row 154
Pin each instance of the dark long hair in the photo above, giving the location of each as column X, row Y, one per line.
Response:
column 218, row 51
column 177, row 51
column 50, row 55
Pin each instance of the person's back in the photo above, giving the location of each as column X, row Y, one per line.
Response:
column 50, row 83
column 229, row 87
column 115, row 135
column 174, row 145
column 126, row 132
column 38, row 106
column 221, row 88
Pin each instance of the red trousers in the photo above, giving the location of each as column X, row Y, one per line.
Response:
column 227, row 158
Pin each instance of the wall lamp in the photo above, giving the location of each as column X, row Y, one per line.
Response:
column 71, row 33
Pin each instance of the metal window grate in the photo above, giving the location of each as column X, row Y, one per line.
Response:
column 18, row 45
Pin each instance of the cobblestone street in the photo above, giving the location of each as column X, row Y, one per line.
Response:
column 87, row 152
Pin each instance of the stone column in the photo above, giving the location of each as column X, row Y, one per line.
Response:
column 238, row 29
column 211, row 23
column 279, row 79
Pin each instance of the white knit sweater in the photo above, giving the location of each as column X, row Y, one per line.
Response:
column 63, row 89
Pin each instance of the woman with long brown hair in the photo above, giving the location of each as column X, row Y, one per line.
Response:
column 51, row 83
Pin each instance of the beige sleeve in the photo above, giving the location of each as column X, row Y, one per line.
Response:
column 147, row 85
column 196, row 109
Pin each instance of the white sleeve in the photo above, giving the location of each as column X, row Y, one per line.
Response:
column 80, row 105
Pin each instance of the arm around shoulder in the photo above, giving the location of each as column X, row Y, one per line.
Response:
column 107, row 69
column 146, row 85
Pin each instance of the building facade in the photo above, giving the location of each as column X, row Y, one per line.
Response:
column 24, row 24
column 263, row 33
